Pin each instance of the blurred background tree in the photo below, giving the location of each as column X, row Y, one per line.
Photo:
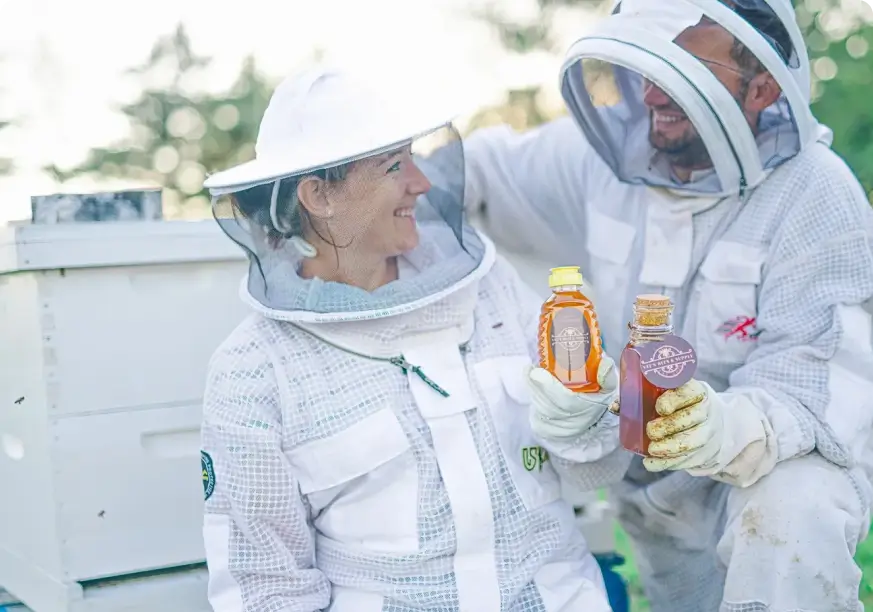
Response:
column 178, row 134
column 537, row 33
column 839, row 35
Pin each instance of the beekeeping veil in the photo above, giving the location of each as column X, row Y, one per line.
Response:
column 648, row 89
column 351, row 176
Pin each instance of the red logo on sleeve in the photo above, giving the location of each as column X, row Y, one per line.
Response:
column 741, row 328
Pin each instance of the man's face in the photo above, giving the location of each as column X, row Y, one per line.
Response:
column 671, row 131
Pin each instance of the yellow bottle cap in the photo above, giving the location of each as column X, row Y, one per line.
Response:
column 568, row 275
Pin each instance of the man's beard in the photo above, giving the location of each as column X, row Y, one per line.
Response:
column 687, row 151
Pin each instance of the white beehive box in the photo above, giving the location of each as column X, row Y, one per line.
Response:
column 106, row 330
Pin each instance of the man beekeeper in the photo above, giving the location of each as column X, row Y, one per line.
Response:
column 692, row 166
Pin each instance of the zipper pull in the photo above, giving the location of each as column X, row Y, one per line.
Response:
column 743, row 187
column 401, row 363
column 429, row 382
column 407, row 367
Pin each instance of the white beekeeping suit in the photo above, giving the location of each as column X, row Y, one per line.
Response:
column 692, row 166
column 367, row 443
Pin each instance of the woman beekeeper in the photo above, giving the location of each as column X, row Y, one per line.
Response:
column 367, row 442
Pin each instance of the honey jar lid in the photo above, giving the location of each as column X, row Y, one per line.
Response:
column 653, row 300
column 568, row 275
column 652, row 310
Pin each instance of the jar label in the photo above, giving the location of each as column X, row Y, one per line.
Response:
column 667, row 364
column 570, row 339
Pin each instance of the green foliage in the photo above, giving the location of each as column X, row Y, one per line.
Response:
column 535, row 34
column 840, row 40
column 177, row 137
column 523, row 108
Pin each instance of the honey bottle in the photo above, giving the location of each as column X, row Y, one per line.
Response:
column 569, row 336
column 653, row 361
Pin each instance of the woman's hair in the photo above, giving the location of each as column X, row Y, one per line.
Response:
column 254, row 205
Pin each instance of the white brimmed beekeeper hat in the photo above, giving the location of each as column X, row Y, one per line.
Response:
column 325, row 117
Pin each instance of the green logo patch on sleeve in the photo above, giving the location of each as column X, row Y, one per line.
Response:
column 208, row 474
column 534, row 458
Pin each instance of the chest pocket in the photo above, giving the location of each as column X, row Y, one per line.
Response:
column 355, row 478
column 727, row 310
column 502, row 382
column 609, row 244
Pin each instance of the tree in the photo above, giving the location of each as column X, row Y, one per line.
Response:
column 524, row 107
column 178, row 135
column 839, row 36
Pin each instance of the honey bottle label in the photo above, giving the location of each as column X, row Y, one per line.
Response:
column 570, row 339
column 667, row 364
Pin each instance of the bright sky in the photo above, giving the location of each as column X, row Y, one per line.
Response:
column 62, row 62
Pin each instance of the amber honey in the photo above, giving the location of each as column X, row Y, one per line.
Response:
column 569, row 335
column 638, row 397
column 652, row 322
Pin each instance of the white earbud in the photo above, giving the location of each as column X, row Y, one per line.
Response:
column 303, row 247
column 274, row 213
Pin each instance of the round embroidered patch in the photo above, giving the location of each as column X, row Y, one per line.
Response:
column 208, row 474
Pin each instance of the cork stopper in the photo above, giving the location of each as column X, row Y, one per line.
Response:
column 652, row 310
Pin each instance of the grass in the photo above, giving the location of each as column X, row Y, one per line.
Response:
column 864, row 558
column 629, row 572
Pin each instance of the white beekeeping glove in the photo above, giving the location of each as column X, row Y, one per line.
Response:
column 710, row 434
column 561, row 415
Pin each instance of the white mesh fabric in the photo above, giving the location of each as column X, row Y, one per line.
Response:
column 803, row 240
column 241, row 431
column 778, row 550
column 759, row 607
column 384, row 337
column 812, row 222
column 273, row 388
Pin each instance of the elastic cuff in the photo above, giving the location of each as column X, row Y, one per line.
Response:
column 792, row 437
column 748, row 447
